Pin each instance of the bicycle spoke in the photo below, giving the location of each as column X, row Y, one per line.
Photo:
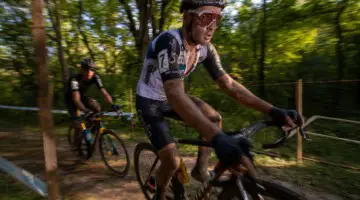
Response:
column 114, row 153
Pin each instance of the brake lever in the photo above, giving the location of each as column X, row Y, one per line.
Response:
column 119, row 113
column 304, row 135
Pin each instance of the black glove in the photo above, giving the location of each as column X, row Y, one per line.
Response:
column 115, row 107
column 279, row 116
column 226, row 149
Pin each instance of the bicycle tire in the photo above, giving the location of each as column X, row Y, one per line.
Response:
column 70, row 136
column 123, row 172
column 177, row 189
column 268, row 189
column 138, row 149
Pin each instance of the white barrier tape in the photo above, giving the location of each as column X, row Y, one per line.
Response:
column 31, row 181
column 126, row 114
column 316, row 117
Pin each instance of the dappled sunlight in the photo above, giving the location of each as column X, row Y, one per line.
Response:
column 267, row 161
column 125, row 136
column 11, row 154
column 265, row 45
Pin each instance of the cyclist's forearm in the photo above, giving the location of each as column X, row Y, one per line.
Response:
column 80, row 106
column 108, row 99
column 106, row 96
column 243, row 95
column 190, row 113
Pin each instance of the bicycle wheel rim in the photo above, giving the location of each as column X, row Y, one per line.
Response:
column 142, row 173
column 175, row 190
column 111, row 146
column 272, row 191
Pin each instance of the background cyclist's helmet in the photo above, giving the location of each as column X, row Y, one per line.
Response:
column 88, row 64
column 194, row 4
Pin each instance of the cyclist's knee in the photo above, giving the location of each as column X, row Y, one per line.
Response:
column 215, row 117
column 169, row 156
column 207, row 110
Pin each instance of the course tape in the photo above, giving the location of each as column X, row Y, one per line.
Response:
column 126, row 114
column 31, row 181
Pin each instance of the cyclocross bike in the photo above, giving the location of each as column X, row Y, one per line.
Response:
column 235, row 184
column 112, row 148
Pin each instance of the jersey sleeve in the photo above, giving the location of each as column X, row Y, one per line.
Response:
column 74, row 84
column 212, row 62
column 167, row 51
column 98, row 82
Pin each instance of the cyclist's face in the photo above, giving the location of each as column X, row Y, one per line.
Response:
column 205, row 21
column 88, row 73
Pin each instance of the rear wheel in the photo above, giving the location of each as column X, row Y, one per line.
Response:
column 114, row 153
column 71, row 136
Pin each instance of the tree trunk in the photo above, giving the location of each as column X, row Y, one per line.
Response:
column 254, row 36
column 145, row 14
column 339, row 44
column 262, row 53
column 357, row 61
column 45, row 99
column 82, row 32
column 163, row 15
column 339, row 50
column 57, row 28
column 141, row 36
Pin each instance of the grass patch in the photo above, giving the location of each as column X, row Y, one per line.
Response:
column 10, row 189
column 343, row 182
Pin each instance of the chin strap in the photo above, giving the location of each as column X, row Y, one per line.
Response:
column 189, row 33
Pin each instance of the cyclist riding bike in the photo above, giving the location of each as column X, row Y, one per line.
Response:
column 171, row 57
column 77, row 101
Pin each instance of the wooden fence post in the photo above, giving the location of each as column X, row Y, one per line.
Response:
column 299, row 108
column 131, row 111
column 44, row 99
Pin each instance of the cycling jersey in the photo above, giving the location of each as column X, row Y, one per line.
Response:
column 166, row 59
column 76, row 83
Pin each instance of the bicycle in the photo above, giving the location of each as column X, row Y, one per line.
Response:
column 108, row 142
column 238, row 185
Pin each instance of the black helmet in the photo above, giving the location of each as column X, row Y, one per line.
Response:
column 88, row 63
column 193, row 4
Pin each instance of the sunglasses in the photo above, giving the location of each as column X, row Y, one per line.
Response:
column 206, row 18
column 93, row 69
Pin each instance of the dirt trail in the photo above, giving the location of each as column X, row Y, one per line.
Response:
column 89, row 181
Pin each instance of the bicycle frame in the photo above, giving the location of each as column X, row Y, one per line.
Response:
column 99, row 130
column 236, row 170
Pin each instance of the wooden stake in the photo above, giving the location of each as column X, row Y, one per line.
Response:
column 131, row 111
column 299, row 108
column 44, row 99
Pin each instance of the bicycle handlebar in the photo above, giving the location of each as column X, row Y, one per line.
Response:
column 97, row 114
column 247, row 132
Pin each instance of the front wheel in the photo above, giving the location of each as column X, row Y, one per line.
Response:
column 146, row 163
column 114, row 153
column 262, row 189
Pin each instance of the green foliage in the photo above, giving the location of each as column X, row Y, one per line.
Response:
column 300, row 42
